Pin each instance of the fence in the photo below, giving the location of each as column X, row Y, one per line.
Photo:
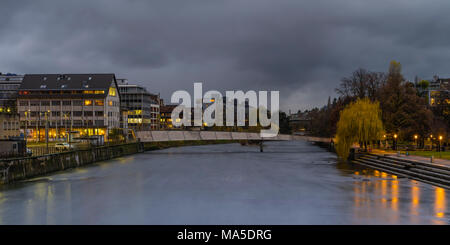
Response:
column 42, row 150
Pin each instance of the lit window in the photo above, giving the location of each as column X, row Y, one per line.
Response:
column 110, row 103
column 99, row 102
column 112, row 91
column 88, row 92
column 43, row 86
column 87, row 102
column 99, row 92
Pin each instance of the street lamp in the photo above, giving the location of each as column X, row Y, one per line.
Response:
column 46, row 129
column 440, row 139
column 26, row 122
column 395, row 141
column 415, row 138
column 431, row 139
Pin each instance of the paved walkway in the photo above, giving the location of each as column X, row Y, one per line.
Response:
column 436, row 161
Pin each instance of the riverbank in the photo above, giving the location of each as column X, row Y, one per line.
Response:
column 425, row 154
column 16, row 169
column 436, row 172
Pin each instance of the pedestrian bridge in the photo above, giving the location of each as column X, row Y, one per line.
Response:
column 161, row 136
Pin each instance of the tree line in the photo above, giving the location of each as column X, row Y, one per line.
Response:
column 403, row 110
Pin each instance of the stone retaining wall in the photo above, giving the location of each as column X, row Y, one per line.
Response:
column 24, row 168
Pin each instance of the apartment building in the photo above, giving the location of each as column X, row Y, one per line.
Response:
column 142, row 106
column 166, row 116
column 85, row 103
column 9, row 85
column 436, row 91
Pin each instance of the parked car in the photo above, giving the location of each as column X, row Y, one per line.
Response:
column 63, row 146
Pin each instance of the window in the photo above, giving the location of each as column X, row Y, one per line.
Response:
column 99, row 102
column 77, row 102
column 112, row 91
column 23, row 103
column 43, row 86
column 110, row 103
column 34, row 103
column 64, row 86
column 55, row 113
column 45, row 103
column 99, row 113
column 56, row 102
column 88, row 113
column 99, row 92
column 77, row 113
column 66, row 102
column 88, row 92
column 87, row 102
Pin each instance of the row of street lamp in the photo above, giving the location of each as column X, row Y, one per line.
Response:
column 416, row 138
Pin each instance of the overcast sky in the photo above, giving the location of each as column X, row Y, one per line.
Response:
column 301, row 48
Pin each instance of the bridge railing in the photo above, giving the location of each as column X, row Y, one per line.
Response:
column 160, row 136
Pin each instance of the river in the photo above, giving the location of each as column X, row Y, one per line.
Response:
column 289, row 183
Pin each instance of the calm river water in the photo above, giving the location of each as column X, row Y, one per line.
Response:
column 290, row 183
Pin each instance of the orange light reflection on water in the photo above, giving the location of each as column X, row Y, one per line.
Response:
column 387, row 197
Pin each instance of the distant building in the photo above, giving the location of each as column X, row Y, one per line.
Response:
column 166, row 116
column 9, row 85
column 142, row 106
column 436, row 87
column 9, row 125
column 300, row 122
column 87, row 103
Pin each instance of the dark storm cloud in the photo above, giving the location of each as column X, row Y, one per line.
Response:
column 301, row 48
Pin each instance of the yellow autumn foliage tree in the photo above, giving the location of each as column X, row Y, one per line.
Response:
column 361, row 122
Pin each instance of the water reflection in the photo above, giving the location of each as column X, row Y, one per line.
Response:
column 440, row 204
column 378, row 193
column 291, row 183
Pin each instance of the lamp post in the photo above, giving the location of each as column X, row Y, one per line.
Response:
column 26, row 122
column 395, row 141
column 415, row 138
column 385, row 141
column 431, row 139
column 440, row 141
column 46, row 130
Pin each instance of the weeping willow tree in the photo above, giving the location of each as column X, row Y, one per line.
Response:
column 360, row 122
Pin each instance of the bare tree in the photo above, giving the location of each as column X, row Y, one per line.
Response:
column 361, row 83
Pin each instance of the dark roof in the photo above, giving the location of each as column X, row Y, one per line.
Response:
column 71, row 81
column 167, row 108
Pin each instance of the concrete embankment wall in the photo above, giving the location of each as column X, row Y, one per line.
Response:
column 24, row 168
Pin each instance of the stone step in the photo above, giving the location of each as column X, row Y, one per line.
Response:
column 415, row 173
